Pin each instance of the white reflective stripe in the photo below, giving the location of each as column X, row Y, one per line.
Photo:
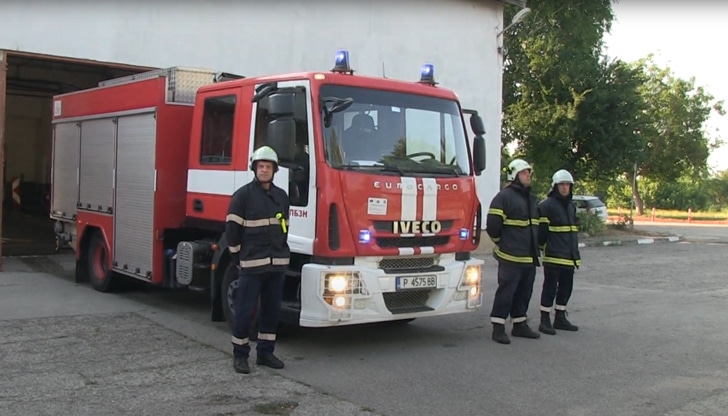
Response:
column 427, row 250
column 406, row 251
column 495, row 320
column 261, row 223
column 234, row 249
column 409, row 199
column 560, row 307
column 519, row 319
column 429, row 200
column 265, row 261
column 545, row 309
column 266, row 337
column 240, row 341
column 234, row 218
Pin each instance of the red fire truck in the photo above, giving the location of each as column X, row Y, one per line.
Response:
column 381, row 178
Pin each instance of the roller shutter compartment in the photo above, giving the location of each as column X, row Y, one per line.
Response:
column 97, row 165
column 135, row 182
column 66, row 151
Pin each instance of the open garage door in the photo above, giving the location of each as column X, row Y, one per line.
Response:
column 29, row 82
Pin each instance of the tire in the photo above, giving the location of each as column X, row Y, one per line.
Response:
column 228, row 289
column 101, row 278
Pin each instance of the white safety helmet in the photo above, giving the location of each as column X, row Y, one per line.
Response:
column 516, row 166
column 264, row 153
column 562, row 176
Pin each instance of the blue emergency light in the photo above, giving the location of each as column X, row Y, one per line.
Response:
column 365, row 236
column 464, row 233
column 427, row 75
column 342, row 62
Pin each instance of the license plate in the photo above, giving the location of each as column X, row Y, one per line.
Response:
column 416, row 282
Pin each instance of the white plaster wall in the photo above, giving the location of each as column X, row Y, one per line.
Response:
column 256, row 37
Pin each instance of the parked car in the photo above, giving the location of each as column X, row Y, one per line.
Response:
column 590, row 204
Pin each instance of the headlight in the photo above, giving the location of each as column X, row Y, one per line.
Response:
column 472, row 275
column 337, row 283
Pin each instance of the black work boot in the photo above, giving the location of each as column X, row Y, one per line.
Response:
column 241, row 365
column 562, row 323
column 269, row 360
column 522, row 330
column 545, row 326
column 499, row 334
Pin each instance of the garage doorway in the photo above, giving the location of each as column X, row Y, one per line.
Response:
column 31, row 80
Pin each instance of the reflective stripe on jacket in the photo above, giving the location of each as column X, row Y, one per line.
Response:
column 558, row 233
column 512, row 224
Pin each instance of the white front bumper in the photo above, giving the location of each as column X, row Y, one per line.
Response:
column 450, row 296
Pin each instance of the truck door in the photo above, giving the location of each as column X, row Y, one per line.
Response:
column 297, row 169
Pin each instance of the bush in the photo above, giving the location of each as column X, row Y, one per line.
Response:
column 590, row 223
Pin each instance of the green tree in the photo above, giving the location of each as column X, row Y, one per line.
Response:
column 564, row 105
column 717, row 190
column 676, row 142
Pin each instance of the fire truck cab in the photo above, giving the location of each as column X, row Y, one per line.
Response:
column 381, row 180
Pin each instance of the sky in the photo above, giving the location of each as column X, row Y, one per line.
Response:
column 689, row 38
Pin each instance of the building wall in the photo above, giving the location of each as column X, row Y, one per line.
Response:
column 254, row 38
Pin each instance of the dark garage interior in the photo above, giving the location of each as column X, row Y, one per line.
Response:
column 31, row 80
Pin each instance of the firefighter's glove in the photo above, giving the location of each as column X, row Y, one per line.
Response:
column 282, row 220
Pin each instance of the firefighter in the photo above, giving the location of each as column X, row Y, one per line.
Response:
column 558, row 236
column 257, row 234
column 512, row 224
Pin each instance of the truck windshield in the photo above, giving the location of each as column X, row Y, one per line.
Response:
column 393, row 132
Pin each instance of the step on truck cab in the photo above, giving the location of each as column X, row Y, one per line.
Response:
column 380, row 174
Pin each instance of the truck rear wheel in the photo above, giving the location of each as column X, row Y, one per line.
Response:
column 102, row 279
column 229, row 288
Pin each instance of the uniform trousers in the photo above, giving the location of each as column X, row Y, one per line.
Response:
column 515, row 286
column 269, row 286
column 558, row 282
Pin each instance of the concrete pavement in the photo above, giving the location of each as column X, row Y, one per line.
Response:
column 66, row 349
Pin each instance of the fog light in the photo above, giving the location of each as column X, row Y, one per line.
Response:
column 339, row 301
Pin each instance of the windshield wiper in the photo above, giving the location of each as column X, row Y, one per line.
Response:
column 379, row 167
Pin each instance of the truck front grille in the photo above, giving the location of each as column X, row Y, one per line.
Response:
column 407, row 302
column 406, row 263
column 399, row 242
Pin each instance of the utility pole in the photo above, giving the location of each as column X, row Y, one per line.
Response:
column 3, row 87
column 631, row 200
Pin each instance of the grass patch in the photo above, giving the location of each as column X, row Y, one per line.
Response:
column 673, row 215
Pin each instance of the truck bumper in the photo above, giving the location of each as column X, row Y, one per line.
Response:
column 363, row 293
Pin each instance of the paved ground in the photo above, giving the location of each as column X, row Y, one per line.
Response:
column 651, row 343
column 68, row 350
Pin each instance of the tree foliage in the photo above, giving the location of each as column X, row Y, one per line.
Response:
column 567, row 105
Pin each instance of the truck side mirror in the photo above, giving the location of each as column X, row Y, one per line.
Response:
column 282, row 129
column 476, row 124
column 281, row 137
column 479, row 154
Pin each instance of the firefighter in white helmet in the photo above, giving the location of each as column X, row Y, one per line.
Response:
column 512, row 224
column 256, row 230
column 558, row 236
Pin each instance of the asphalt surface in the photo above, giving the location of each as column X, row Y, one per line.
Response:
column 651, row 342
column 66, row 349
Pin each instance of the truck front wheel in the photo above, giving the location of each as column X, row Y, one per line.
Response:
column 229, row 288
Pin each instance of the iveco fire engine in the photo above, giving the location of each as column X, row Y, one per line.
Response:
column 380, row 174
